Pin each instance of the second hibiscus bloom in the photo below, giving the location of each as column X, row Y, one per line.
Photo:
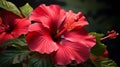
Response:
column 60, row 34
column 12, row 26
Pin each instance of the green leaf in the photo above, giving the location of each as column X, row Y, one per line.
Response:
column 99, row 48
column 19, row 43
column 9, row 6
column 9, row 57
column 97, row 35
column 105, row 62
column 26, row 10
column 20, row 57
column 40, row 62
column 6, row 43
column 87, row 63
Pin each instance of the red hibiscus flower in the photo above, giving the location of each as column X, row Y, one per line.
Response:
column 12, row 26
column 60, row 34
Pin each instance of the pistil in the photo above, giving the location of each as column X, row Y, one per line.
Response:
column 67, row 26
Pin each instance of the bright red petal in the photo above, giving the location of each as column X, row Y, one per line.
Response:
column 38, row 27
column 4, row 36
column 81, row 36
column 75, row 20
column 51, row 16
column 40, row 40
column 40, row 43
column 21, row 27
column 70, row 51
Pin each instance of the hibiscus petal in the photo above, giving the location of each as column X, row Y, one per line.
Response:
column 70, row 51
column 80, row 36
column 21, row 27
column 41, row 42
column 75, row 20
column 38, row 27
column 4, row 36
column 50, row 16
column 16, row 25
column 78, row 18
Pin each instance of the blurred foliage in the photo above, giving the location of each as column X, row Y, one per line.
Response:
column 40, row 62
column 105, row 62
column 10, row 57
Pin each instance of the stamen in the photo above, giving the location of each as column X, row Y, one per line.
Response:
column 69, row 24
column 111, row 35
